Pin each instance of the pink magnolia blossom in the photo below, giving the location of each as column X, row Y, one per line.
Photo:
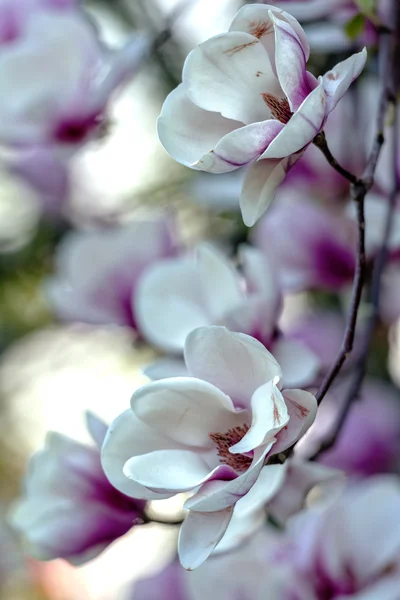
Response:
column 69, row 509
column 247, row 99
column 176, row 295
column 56, row 76
column 97, row 272
column 210, row 434
column 349, row 550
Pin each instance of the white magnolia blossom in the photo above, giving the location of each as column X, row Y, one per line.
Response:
column 351, row 549
column 211, row 434
column 176, row 295
column 247, row 99
column 69, row 509
column 97, row 272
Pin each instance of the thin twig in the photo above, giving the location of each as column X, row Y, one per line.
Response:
column 389, row 89
column 321, row 143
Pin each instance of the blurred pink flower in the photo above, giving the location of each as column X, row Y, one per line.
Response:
column 211, row 434
column 69, row 509
column 97, row 272
column 248, row 97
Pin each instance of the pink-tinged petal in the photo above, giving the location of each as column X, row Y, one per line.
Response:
column 96, row 427
column 258, row 191
column 299, row 364
column 269, row 481
column 302, row 408
column 221, row 287
column 302, row 128
column 240, row 147
column 217, row 495
column 234, row 362
column 168, row 470
column 257, row 19
column 260, row 275
column 166, row 367
column 168, row 303
column 199, row 535
column 291, row 64
column 269, row 415
column 337, row 81
column 186, row 131
column 228, row 74
column 186, row 410
column 127, row 437
column 241, row 528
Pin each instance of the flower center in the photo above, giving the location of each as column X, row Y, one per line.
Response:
column 224, row 441
column 279, row 107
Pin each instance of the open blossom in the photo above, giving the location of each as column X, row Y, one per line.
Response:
column 69, row 509
column 247, row 99
column 349, row 550
column 97, row 272
column 62, row 76
column 176, row 295
column 211, row 434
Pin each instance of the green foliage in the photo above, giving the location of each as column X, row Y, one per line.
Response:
column 355, row 27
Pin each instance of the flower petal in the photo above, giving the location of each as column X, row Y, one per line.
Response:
column 96, row 427
column 302, row 128
column 186, row 410
column 168, row 303
column 337, row 81
column 166, row 367
column 302, row 408
column 258, row 191
column 291, row 64
column 267, row 485
column 240, row 147
column 199, row 535
column 168, row 470
column 186, row 131
column 236, row 363
column 299, row 364
column 256, row 19
column 228, row 74
column 269, row 414
column 216, row 495
column 127, row 437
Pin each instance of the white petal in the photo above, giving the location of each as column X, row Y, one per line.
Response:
column 186, row 131
column 291, row 64
column 217, row 495
column 166, row 367
column 299, row 364
column 96, row 427
column 262, row 179
column 240, row 147
column 169, row 303
column 267, row 485
column 199, row 535
column 269, row 415
column 302, row 408
column 236, row 363
column 228, row 74
column 221, row 287
column 302, row 128
column 337, row 81
column 169, row 470
column 127, row 437
column 186, row 410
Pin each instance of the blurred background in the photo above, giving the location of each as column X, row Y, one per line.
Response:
column 51, row 372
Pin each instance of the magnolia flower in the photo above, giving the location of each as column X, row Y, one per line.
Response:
column 247, row 99
column 176, row 295
column 318, row 248
column 349, row 550
column 69, row 509
column 56, row 76
column 211, row 434
column 369, row 442
column 97, row 272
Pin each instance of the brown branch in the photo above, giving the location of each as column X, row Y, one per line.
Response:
column 321, row 143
